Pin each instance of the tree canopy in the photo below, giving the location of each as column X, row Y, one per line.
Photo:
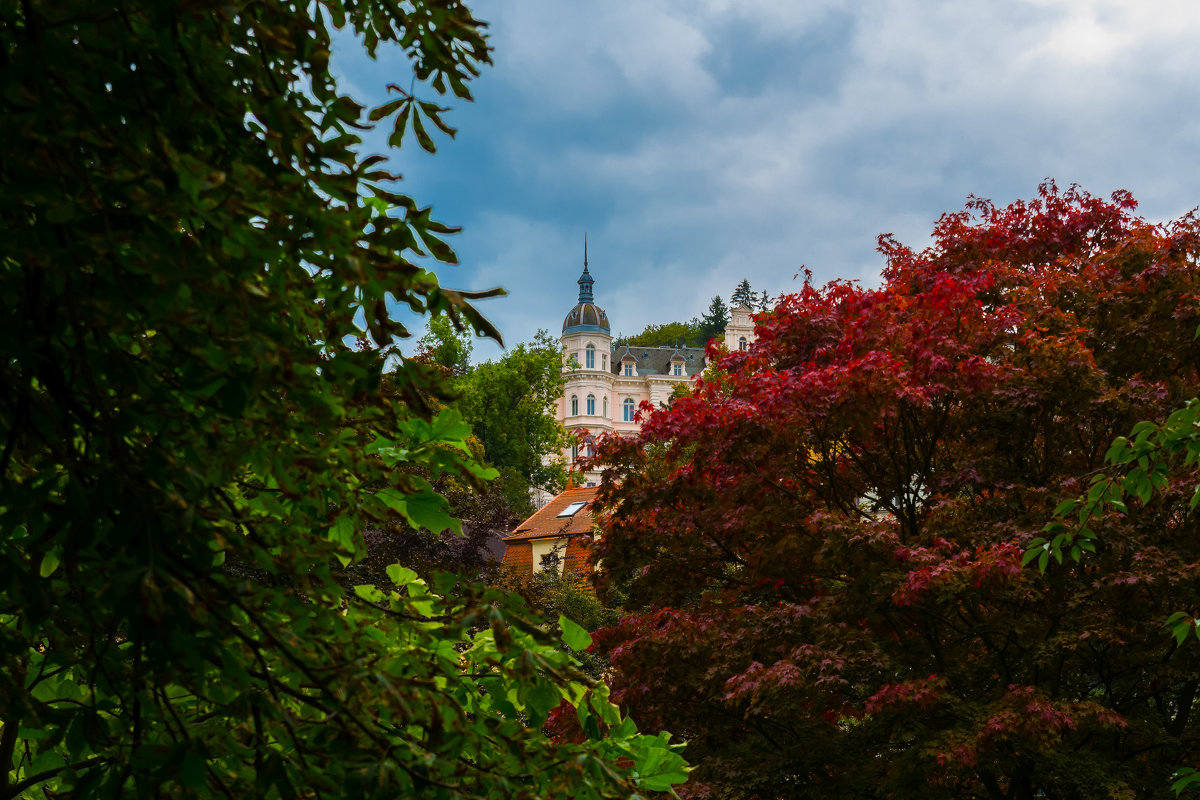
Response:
column 446, row 346
column 669, row 334
column 194, row 290
column 823, row 545
column 508, row 402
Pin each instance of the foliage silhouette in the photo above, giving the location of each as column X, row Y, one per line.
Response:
column 193, row 432
column 823, row 545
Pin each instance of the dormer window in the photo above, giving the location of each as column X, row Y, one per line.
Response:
column 629, row 368
column 677, row 369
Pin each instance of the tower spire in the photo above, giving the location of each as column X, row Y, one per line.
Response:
column 585, row 280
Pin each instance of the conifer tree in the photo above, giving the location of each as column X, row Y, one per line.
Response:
column 743, row 295
column 713, row 321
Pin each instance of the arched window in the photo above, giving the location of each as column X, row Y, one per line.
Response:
column 742, row 343
column 574, row 406
column 628, row 406
column 591, row 405
column 605, row 401
column 590, row 357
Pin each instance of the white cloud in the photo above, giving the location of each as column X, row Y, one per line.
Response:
column 702, row 141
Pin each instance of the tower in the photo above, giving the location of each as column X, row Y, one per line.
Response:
column 586, row 349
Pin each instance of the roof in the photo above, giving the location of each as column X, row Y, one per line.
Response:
column 546, row 523
column 657, row 360
column 586, row 317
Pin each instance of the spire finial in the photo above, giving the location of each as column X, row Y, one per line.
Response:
column 585, row 280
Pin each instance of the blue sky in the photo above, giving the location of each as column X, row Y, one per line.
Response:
column 702, row 141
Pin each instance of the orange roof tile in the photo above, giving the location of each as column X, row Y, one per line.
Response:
column 546, row 523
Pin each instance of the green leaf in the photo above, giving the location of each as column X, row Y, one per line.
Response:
column 423, row 138
column 540, row 700
column 397, row 137
column 50, row 563
column 428, row 509
column 193, row 771
column 607, row 711
column 369, row 593
column 663, row 781
column 387, row 109
column 1065, row 507
column 401, row 576
column 342, row 532
column 574, row 636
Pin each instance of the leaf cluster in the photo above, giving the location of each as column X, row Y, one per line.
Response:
column 823, row 545
column 194, row 291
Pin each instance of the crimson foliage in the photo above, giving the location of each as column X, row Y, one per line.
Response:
column 824, row 544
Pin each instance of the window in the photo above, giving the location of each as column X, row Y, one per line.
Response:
column 574, row 452
column 604, row 361
column 677, row 369
column 574, row 406
column 572, row 509
column 589, row 359
column 628, row 406
column 591, row 405
column 742, row 343
column 605, row 401
column 628, row 368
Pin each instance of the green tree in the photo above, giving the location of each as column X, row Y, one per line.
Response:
column 743, row 295
column 446, row 346
column 508, row 404
column 192, row 436
column 669, row 334
column 713, row 323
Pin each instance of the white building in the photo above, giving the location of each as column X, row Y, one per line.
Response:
column 605, row 385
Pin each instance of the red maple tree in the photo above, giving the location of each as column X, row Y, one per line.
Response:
column 822, row 546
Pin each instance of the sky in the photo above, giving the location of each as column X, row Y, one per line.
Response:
column 700, row 142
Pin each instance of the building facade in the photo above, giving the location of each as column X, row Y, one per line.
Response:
column 606, row 384
column 558, row 536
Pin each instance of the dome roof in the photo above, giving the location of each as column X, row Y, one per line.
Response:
column 586, row 317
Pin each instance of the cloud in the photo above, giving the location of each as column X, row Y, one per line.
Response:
column 703, row 141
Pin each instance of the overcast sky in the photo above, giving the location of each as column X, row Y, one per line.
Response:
column 702, row 141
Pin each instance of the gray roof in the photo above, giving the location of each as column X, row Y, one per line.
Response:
column 657, row 360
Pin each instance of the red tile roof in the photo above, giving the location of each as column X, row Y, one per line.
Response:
column 546, row 523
